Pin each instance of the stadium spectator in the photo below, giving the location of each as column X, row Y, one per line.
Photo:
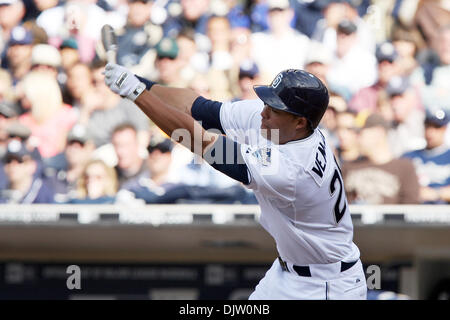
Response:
column 433, row 77
column 66, row 168
column 334, row 12
column 367, row 98
column 433, row 162
column 407, row 42
column 407, row 132
column 168, row 65
column 138, row 36
column 79, row 83
column 281, row 47
column 69, row 53
column 328, row 124
column 248, row 77
column 193, row 60
column 11, row 14
column 345, row 75
column 194, row 15
column 221, row 60
column 380, row 178
column 18, row 53
column 49, row 118
column 97, row 185
column 25, row 186
column 130, row 163
column 347, row 134
column 46, row 58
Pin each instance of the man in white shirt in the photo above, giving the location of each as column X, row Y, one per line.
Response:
column 281, row 47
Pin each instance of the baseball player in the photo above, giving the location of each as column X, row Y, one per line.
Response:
column 273, row 146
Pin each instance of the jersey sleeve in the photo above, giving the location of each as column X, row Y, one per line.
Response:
column 241, row 119
column 270, row 172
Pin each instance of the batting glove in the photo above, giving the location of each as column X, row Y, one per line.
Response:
column 123, row 82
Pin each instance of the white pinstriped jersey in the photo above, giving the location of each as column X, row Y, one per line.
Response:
column 298, row 186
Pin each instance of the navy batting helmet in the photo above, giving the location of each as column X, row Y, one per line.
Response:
column 297, row 92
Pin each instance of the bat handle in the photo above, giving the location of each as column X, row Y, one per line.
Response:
column 111, row 56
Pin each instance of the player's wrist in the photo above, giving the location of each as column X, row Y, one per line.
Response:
column 148, row 83
column 137, row 91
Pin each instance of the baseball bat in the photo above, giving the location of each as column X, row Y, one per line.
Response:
column 109, row 42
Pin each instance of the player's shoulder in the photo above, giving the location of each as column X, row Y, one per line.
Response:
column 312, row 156
column 245, row 104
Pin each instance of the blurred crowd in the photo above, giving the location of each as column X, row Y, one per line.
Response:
column 66, row 138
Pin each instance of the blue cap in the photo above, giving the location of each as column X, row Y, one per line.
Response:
column 386, row 52
column 20, row 35
column 248, row 68
column 16, row 150
column 437, row 117
column 166, row 145
column 397, row 86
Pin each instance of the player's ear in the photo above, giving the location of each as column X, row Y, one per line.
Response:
column 302, row 123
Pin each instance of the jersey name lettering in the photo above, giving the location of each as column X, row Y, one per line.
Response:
column 320, row 166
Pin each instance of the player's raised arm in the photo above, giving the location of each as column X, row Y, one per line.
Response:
column 169, row 119
column 183, row 99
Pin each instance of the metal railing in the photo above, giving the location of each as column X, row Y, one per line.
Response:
column 199, row 213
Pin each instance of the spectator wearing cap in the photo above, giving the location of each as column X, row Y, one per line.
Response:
column 248, row 77
column 335, row 11
column 167, row 63
column 354, row 67
column 281, row 46
column 380, row 178
column 407, row 133
column 433, row 162
column 66, row 168
column 69, row 53
column 49, row 119
column 156, row 188
column 25, row 186
column 139, row 36
column 18, row 54
column 131, row 166
column 367, row 98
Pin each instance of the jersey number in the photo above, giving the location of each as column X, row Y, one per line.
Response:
column 338, row 213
